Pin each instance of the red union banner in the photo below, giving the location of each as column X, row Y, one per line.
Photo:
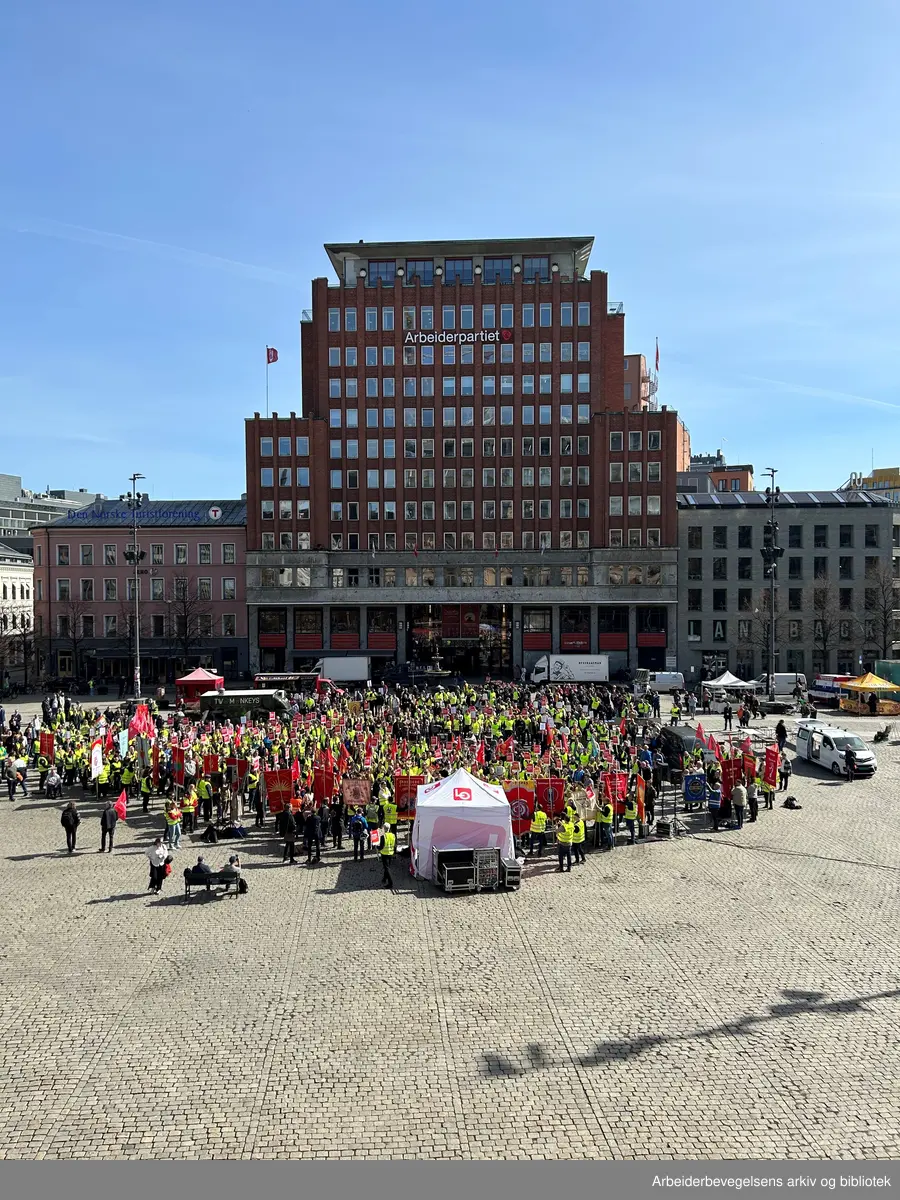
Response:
column 770, row 771
column 406, row 788
column 549, row 795
column 323, row 785
column 749, row 767
column 615, row 788
column 279, row 789
column 521, row 803
column 47, row 745
column 210, row 763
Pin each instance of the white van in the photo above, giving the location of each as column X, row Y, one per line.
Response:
column 659, row 681
column 825, row 745
column 785, row 683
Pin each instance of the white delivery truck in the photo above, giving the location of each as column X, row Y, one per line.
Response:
column 786, row 683
column 345, row 670
column 658, row 681
column 827, row 745
column 571, row 668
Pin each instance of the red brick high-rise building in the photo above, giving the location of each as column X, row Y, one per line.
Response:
column 468, row 478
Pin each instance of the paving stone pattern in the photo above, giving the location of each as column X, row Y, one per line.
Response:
column 729, row 995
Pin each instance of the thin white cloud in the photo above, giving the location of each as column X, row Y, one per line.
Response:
column 824, row 393
column 181, row 254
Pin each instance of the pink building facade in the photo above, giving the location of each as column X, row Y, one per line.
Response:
column 191, row 600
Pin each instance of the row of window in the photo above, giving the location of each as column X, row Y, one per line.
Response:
column 466, row 508
column 266, row 445
column 448, row 577
column 820, row 569
column 111, row 593
column 204, row 554
column 524, row 540
column 747, row 599
column 158, row 627
column 466, row 476
column 450, row 415
column 491, row 353
column 22, row 592
column 423, row 317
column 846, row 631
column 846, row 534
column 388, row 447
column 413, row 386
column 533, row 269
column 426, row 419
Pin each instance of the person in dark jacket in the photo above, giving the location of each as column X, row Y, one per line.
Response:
column 336, row 817
column 70, row 820
column 288, row 829
column 359, row 830
column 312, row 835
column 108, row 819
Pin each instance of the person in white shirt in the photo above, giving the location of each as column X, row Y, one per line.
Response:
column 158, row 853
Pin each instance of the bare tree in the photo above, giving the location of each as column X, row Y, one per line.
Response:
column 16, row 640
column 882, row 598
column 188, row 616
column 125, row 627
column 70, row 616
column 753, row 626
column 826, row 620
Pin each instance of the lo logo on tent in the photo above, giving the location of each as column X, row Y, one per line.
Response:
column 462, row 793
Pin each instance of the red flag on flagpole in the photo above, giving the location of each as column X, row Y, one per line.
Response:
column 479, row 753
column 272, row 355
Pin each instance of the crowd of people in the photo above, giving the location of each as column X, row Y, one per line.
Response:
column 188, row 772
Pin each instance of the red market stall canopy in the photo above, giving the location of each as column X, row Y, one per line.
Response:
column 191, row 687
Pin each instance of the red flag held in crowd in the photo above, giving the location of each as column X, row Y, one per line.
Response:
column 479, row 753
column 700, row 734
column 121, row 805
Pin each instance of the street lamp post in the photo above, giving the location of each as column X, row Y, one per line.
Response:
column 771, row 552
column 134, row 500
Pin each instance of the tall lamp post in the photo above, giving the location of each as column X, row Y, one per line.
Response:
column 134, row 500
column 771, row 552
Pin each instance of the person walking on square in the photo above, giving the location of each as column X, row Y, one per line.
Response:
column 388, row 845
column 785, row 769
column 739, row 803
column 289, row 833
column 578, row 838
column 752, row 800
column 359, row 831
column 157, row 854
column 565, row 832
column 70, row 820
column 108, row 819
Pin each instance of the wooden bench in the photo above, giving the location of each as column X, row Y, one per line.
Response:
column 208, row 880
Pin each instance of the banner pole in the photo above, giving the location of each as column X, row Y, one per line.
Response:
column 267, row 380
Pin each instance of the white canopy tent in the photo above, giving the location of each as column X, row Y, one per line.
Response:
column 726, row 681
column 460, row 813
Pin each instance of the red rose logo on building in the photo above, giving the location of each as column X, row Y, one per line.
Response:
column 506, row 335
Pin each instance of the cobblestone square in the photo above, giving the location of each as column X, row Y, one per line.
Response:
column 727, row 995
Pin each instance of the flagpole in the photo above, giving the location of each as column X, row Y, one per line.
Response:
column 267, row 380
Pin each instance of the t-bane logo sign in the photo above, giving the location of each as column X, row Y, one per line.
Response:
column 483, row 335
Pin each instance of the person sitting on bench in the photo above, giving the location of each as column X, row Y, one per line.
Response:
column 202, row 867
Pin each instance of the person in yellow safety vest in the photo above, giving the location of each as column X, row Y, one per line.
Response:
column 103, row 780
column 606, row 827
column 676, row 715
column 538, row 833
column 204, row 793
column 389, row 810
column 565, row 832
column 388, row 845
column 145, row 792
column 189, row 808
column 127, row 777
column 631, row 816
column 173, row 825
column 578, row 840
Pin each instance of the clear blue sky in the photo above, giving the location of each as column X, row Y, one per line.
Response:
column 170, row 172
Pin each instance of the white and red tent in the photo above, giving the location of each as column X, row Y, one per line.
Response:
column 460, row 813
